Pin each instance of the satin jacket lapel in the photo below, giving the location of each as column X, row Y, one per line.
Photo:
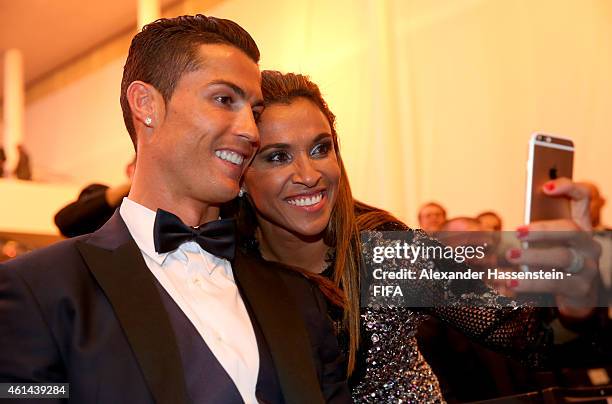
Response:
column 282, row 327
column 130, row 288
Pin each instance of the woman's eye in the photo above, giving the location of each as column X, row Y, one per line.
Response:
column 321, row 149
column 278, row 157
column 223, row 99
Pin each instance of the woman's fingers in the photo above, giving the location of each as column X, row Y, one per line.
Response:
column 542, row 258
column 569, row 287
column 579, row 195
column 575, row 191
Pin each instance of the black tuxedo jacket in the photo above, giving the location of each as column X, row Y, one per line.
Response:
column 87, row 311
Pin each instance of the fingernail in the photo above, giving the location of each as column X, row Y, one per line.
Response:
column 513, row 283
column 549, row 186
column 515, row 253
column 522, row 231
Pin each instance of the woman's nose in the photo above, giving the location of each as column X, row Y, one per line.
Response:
column 306, row 172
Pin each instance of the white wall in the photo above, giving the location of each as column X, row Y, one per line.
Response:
column 485, row 74
column 76, row 134
column 29, row 207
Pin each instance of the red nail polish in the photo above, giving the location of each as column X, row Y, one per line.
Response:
column 514, row 283
column 550, row 186
column 522, row 231
column 515, row 253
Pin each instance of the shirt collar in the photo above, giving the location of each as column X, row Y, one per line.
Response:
column 139, row 221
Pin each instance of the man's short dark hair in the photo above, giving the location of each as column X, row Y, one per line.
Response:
column 491, row 213
column 167, row 48
column 488, row 213
column 463, row 219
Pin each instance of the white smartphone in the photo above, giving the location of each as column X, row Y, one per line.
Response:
column 550, row 157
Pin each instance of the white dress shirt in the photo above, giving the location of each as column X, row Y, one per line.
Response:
column 203, row 286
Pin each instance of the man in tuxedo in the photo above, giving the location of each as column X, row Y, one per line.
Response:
column 154, row 307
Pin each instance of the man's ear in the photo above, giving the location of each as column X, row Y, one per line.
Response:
column 146, row 104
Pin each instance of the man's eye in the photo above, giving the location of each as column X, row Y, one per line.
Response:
column 278, row 157
column 224, row 99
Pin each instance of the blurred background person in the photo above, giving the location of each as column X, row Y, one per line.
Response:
column 431, row 217
column 603, row 236
column 490, row 221
column 466, row 370
column 464, row 231
column 23, row 170
column 596, row 205
column 94, row 206
column 2, row 161
column 461, row 223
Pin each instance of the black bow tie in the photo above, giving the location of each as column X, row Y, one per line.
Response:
column 218, row 237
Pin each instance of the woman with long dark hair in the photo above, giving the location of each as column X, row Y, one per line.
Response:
column 297, row 209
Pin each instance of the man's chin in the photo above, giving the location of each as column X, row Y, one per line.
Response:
column 223, row 194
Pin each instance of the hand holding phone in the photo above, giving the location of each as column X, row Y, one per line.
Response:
column 550, row 157
column 557, row 231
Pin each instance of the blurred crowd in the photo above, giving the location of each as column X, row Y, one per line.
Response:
column 433, row 219
column 469, row 372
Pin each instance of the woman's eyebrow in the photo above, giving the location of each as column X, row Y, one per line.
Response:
column 321, row 136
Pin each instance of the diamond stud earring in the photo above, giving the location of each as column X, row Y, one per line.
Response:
column 148, row 121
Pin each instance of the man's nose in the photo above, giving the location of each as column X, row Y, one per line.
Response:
column 246, row 127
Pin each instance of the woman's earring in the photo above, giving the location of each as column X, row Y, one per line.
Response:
column 148, row 121
column 241, row 193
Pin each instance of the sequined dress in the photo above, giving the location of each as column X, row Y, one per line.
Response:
column 391, row 369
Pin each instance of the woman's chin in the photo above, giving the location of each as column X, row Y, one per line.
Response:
column 309, row 231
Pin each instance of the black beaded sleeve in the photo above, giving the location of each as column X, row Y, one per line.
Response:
column 482, row 314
